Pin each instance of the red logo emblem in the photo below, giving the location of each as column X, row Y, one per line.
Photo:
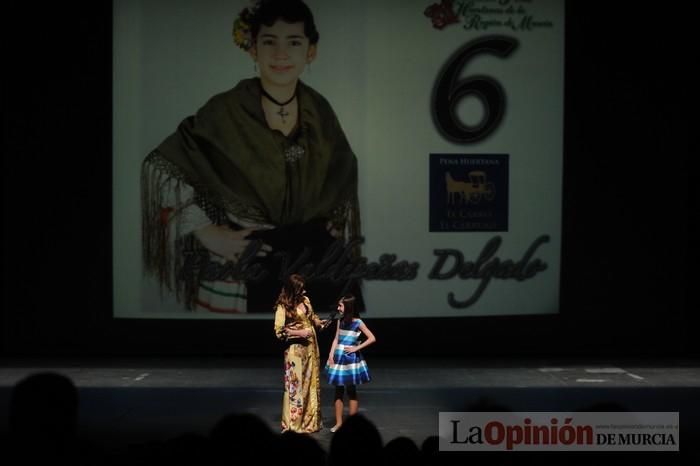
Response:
column 441, row 14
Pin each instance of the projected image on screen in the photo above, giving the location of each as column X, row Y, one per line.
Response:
column 261, row 175
column 409, row 154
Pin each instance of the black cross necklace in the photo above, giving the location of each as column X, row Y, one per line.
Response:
column 281, row 112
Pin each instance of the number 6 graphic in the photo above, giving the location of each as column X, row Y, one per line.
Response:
column 448, row 91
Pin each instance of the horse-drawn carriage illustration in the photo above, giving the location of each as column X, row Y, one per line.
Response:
column 473, row 190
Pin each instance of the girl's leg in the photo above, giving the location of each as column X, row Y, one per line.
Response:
column 353, row 401
column 339, row 389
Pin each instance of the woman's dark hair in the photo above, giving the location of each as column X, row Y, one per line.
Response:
column 349, row 304
column 292, row 293
column 289, row 11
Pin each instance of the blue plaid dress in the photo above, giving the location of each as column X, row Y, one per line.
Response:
column 349, row 368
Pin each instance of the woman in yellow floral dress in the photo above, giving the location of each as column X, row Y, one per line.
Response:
column 294, row 324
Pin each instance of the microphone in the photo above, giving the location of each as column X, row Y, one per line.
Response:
column 332, row 317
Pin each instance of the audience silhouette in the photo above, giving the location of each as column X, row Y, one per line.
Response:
column 357, row 438
column 44, row 414
column 43, row 419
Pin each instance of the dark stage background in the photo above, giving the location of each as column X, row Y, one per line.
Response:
column 628, row 203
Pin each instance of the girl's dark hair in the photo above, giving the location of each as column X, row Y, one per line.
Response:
column 289, row 11
column 292, row 293
column 349, row 312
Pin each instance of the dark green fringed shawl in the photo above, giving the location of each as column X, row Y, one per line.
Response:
column 229, row 155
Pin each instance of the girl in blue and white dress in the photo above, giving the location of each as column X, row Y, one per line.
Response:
column 346, row 367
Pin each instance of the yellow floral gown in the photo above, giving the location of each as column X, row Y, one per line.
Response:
column 301, row 406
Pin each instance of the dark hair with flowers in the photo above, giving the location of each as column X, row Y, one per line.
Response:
column 265, row 12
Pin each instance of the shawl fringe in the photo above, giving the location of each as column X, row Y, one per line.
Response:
column 177, row 262
column 163, row 257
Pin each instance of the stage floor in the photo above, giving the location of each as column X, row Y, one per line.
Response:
column 134, row 401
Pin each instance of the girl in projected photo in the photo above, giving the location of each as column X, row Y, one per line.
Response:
column 346, row 366
column 266, row 160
